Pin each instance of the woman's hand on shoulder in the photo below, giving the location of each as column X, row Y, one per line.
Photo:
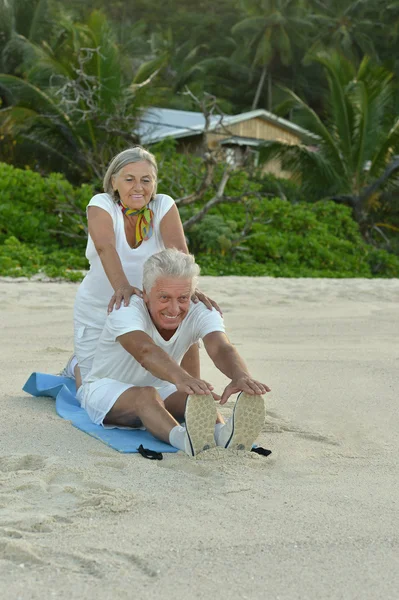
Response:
column 199, row 296
column 122, row 296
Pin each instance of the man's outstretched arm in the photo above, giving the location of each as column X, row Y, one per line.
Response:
column 160, row 364
column 229, row 362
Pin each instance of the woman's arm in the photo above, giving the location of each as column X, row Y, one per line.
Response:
column 172, row 230
column 102, row 233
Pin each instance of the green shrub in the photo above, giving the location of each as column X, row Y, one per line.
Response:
column 24, row 260
column 279, row 187
column 48, row 212
column 42, row 230
column 382, row 263
column 291, row 240
column 212, row 235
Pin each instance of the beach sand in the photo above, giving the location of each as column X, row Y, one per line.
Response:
column 318, row 519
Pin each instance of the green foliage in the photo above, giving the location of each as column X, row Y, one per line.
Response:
column 24, row 260
column 75, row 104
column 269, row 33
column 382, row 264
column 213, row 235
column 346, row 26
column 48, row 212
column 42, row 230
column 356, row 159
column 301, row 240
column 177, row 172
column 270, row 185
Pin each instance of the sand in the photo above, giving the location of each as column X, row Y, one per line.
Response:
column 318, row 519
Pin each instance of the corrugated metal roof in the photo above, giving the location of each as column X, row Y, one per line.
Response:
column 157, row 124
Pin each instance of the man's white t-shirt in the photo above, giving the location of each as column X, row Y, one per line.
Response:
column 113, row 361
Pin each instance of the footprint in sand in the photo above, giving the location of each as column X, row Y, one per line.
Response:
column 27, row 462
column 38, row 495
column 19, row 552
column 111, row 464
column 22, row 553
column 88, row 493
column 275, row 424
column 55, row 350
column 95, row 562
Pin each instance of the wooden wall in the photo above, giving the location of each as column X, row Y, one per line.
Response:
column 252, row 128
column 259, row 129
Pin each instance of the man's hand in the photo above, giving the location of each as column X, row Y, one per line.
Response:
column 246, row 384
column 191, row 385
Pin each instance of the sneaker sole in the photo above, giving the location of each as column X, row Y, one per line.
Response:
column 200, row 417
column 248, row 420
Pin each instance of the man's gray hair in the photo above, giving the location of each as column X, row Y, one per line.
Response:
column 169, row 263
column 131, row 155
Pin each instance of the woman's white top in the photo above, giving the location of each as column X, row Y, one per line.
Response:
column 95, row 291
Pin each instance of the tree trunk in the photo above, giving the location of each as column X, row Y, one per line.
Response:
column 269, row 91
column 259, row 88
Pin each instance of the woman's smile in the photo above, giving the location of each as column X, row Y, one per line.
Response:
column 135, row 184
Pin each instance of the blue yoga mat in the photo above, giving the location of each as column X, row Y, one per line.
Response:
column 63, row 390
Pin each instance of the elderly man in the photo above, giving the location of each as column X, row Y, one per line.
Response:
column 136, row 378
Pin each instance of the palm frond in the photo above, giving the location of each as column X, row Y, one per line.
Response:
column 54, row 155
column 386, row 151
column 248, row 25
column 361, row 131
column 24, row 95
column 105, row 63
column 148, row 68
column 45, row 69
column 284, row 45
column 391, row 170
column 341, row 109
column 264, row 50
column 317, row 127
column 311, row 168
column 37, row 20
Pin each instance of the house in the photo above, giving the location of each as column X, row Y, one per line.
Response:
column 235, row 135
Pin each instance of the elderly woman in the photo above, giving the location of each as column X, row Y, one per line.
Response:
column 127, row 223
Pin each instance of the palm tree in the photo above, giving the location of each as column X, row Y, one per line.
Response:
column 21, row 20
column 347, row 26
column 271, row 29
column 180, row 62
column 357, row 156
column 74, row 107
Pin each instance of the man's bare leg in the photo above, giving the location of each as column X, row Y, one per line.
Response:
column 142, row 405
column 191, row 364
column 176, row 404
column 138, row 406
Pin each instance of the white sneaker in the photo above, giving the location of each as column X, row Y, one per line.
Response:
column 246, row 423
column 69, row 369
column 200, row 417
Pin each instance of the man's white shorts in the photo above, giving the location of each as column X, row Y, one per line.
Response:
column 98, row 397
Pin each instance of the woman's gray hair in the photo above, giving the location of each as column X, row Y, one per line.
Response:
column 131, row 155
column 169, row 263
